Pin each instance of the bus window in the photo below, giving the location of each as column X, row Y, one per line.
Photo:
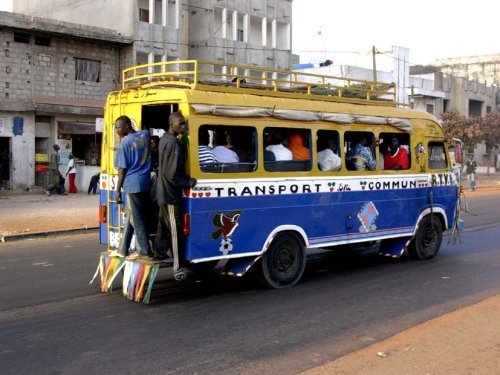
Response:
column 360, row 155
column 328, row 150
column 227, row 149
column 287, row 150
column 394, row 151
column 437, row 155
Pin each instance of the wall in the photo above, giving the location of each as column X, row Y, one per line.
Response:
column 37, row 71
column 22, row 149
column 115, row 14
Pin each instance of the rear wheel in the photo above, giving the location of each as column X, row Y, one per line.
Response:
column 427, row 240
column 284, row 262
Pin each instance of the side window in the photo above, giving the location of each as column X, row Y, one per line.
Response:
column 394, row 151
column 227, row 149
column 287, row 150
column 360, row 151
column 437, row 155
column 329, row 158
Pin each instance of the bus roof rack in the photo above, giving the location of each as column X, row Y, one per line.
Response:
column 226, row 77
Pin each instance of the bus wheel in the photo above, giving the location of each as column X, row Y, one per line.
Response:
column 427, row 240
column 284, row 262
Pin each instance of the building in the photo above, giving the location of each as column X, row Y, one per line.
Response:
column 54, row 79
column 251, row 32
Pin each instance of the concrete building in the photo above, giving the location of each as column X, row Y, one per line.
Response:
column 252, row 32
column 54, row 79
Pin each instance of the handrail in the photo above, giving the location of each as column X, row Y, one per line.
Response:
column 223, row 76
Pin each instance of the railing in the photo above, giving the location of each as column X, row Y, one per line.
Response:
column 221, row 76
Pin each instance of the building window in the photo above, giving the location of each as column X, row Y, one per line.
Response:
column 41, row 40
column 430, row 108
column 143, row 15
column 87, row 70
column 488, row 109
column 22, row 38
column 240, row 35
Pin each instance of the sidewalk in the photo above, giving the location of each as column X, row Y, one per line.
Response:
column 24, row 215
column 466, row 341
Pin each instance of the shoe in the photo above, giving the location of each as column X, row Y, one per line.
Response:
column 162, row 258
column 115, row 253
column 48, row 193
column 180, row 275
column 137, row 256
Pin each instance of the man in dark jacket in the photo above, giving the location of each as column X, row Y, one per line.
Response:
column 172, row 179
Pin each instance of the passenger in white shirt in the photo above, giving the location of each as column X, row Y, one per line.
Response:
column 281, row 153
column 328, row 159
column 222, row 151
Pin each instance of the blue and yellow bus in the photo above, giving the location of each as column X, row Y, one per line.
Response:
column 267, row 211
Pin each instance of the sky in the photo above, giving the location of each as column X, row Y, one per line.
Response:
column 431, row 29
column 344, row 31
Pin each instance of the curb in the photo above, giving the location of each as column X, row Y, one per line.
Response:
column 45, row 234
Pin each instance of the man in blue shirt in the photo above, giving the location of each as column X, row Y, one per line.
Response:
column 133, row 161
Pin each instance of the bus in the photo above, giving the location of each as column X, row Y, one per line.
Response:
column 267, row 212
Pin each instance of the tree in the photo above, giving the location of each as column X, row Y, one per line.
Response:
column 490, row 128
column 467, row 129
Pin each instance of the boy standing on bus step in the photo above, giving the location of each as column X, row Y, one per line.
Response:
column 172, row 179
column 133, row 161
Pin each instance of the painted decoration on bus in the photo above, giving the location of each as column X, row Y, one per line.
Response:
column 368, row 215
column 225, row 225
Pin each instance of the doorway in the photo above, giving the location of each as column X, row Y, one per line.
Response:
column 5, row 152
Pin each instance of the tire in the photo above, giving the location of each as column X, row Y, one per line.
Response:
column 427, row 240
column 284, row 262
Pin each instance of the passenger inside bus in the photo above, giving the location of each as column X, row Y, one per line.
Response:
column 396, row 157
column 328, row 159
column 296, row 145
column 360, row 156
column 276, row 140
column 205, row 152
column 223, row 147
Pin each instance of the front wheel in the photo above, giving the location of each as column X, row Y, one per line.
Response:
column 427, row 240
column 284, row 262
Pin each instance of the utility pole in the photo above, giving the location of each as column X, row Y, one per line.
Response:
column 374, row 51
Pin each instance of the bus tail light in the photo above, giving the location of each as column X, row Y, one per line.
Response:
column 187, row 224
column 102, row 213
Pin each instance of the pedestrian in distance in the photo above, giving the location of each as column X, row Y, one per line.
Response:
column 71, row 173
column 133, row 161
column 470, row 170
column 172, row 180
column 94, row 182
column 54, row 173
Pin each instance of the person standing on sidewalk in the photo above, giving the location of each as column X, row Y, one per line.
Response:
column 172, row 179
column 54, row 173
column 71, row 172
column 133, row 162
column 470, row 169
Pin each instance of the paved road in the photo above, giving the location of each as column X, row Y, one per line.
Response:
column 52, row 322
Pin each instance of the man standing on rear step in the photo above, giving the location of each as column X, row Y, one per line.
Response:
column 133, row 162
column 172, row 179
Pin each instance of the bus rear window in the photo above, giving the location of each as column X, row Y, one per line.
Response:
column 437, row 156
column 227, row 149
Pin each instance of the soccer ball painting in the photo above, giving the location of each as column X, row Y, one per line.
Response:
column 226, row 246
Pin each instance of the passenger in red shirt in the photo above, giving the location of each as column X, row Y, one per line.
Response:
column 397, row 157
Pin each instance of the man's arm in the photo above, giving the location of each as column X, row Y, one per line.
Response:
column 121, row 176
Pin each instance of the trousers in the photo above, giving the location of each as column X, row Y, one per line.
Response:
column 138, row 207
column 170, row 234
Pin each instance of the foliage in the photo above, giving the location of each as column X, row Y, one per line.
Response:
column 491, row 131
column 467, row 129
